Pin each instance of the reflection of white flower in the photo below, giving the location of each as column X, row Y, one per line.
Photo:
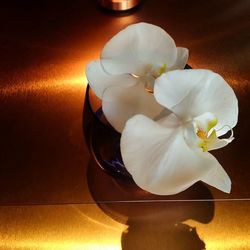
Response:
column 168, row 156
column 130, row 62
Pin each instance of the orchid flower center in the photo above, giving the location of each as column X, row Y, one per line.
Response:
column 204, row 130
column 152, row 72
column 206, row 137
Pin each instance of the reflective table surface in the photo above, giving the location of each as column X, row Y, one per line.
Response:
column 52, row 193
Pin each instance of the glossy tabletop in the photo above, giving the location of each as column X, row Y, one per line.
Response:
column 52, row 193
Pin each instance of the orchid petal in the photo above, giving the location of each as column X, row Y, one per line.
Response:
column 220, row 143
column 190, row 93
column 181, row 59
column 99, row 80
column 137, row 46
column 218, row 177
column 158, row 157
column 121, row 103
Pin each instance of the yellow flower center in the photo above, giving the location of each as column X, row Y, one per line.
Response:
column 206, row 141
column 205, row 131
column 202, row 134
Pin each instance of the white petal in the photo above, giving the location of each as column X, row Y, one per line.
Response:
column 121, row 103
column 190, row 93
column 220, row 143
column 181, row 60
column 99, row 80
column 136, row 47
column 158, row 157
column 218, row 177
column 172, row 87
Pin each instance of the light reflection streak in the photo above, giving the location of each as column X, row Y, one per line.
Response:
column 84, row 217
column 43, row 85
column 69, row 74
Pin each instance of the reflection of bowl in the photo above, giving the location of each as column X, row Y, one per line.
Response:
column 122, row 199
column 102, row 140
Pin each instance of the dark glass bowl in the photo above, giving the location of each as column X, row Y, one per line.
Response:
column 102, row 140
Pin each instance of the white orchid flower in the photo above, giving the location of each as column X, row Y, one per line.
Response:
column 130, row 62
column 168, row 156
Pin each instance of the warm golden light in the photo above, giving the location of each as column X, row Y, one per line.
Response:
column 65, row 227
column 87, row 227
column 64, row 245
column 62, row 78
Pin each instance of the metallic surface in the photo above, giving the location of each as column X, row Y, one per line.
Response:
column 119, row 5
column 44, row 159
column 222, row 225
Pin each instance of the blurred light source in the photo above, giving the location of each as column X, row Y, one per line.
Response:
column 119, row 5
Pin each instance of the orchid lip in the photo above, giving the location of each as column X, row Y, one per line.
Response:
column 208, row 137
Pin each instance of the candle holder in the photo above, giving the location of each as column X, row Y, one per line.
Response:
column 119, row 5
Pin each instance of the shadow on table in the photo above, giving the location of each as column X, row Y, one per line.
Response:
column 154, row 222
column 151, row 236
